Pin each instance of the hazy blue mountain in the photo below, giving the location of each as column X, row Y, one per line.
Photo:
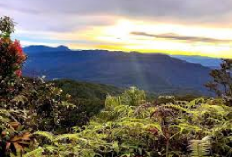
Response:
column 205, row 61
column 42, row 48
column 152, row 72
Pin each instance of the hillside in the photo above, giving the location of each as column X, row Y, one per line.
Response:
column 152, row 72
column 88, row 91
column 89, row 97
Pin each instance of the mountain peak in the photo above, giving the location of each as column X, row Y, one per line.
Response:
column 43, row 48
column 63, row 48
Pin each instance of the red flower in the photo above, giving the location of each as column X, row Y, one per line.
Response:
column 18, row 73
column 18, row 48
column 12, row 57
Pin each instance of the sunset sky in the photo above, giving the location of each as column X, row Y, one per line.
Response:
column 189, row 27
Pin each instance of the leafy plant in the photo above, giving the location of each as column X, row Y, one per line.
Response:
column 11, row 60
column 200, row 148
column 222, row 81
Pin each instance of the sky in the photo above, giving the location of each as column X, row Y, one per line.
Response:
column 186, row 27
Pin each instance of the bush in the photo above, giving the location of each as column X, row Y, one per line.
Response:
column 26, row 105
column 11, row 59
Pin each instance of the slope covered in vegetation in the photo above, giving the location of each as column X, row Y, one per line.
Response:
column 85, row 90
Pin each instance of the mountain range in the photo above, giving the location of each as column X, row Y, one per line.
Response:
column 152, row 72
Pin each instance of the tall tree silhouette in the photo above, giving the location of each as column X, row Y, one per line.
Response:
column 221, row 82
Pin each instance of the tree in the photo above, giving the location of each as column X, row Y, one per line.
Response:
column 11, row 58
column 221, row 82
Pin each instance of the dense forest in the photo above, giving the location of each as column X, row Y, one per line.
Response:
column 64, row 118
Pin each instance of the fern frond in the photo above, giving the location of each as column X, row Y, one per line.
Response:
column 67, row 136
column 176, row 107
column 45, row 134
column 187, row 127
column 195, row 102
column 35, row 153
column 200, row 148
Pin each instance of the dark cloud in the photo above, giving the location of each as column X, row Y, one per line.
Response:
column 51, row 15
column 172, row 36
column 210, row 11
column 70, row 15
column 19, row 8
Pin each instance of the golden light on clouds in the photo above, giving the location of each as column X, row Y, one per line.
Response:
column 164, row 26
column 146, row 37
column 171, row 38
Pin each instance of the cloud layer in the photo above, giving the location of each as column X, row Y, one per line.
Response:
column 173, row 36
column 81, row 22
column 68, row 14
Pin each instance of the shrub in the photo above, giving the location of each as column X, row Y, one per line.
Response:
column 11, row 59
column 29, row 104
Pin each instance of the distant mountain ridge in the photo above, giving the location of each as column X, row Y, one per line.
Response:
column 153, row 72
column 42, row 48
column 205, row 61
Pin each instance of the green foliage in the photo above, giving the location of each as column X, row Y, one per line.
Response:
column 221, row 82
column 128, row 125
column 11, row 60
column 200, row 148
column 35, row 153
column 87, row 91
column 200, row 128
column 6, row 26
column 133, row 97
column 88, row 97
